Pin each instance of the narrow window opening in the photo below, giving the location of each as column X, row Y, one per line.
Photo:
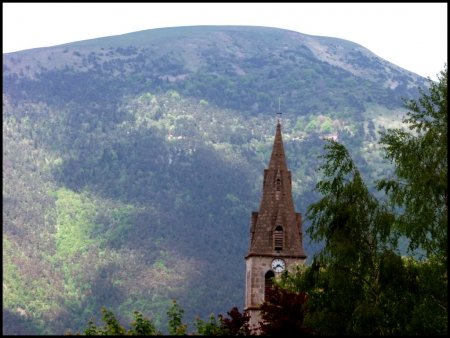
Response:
column 278, row 184
column 268, row 283
column 278, row 238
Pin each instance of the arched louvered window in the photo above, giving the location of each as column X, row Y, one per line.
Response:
column 278, row 238
column 278, row 184
column 268, row 282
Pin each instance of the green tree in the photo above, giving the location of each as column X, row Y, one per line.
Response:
column 212, row 327
column 356, row 230
column 112, row 326
column 419, row 191
column 175, row 314
column 420, row 158
column 140, row 326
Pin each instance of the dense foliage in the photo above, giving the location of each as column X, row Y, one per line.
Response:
column 421, row 162
column 283, row 313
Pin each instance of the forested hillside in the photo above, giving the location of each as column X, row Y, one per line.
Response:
column 131, row 164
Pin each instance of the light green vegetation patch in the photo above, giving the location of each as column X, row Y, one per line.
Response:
column 75, row 214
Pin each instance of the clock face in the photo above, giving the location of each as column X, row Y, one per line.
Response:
column 278, row 265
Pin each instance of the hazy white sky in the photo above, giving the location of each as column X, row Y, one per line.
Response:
column 412, row 36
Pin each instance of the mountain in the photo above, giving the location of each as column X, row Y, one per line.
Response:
column 310, row 73
column 132, row 163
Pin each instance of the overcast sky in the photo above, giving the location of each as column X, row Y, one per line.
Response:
column 412, row 36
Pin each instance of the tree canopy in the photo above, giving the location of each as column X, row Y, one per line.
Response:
column 360, row 283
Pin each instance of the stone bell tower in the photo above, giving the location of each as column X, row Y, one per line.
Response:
column 276, row 242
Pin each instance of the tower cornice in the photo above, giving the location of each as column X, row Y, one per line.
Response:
column 275, row 255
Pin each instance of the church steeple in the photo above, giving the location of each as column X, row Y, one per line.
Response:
column 276, row 240
column 277, row 209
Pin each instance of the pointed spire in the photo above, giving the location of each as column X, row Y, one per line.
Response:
column 277, row 209
column 278, row 159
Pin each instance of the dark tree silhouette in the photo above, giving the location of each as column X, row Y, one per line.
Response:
column 283, row 313
column 237, row 324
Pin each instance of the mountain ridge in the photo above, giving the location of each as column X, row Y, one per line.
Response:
column 246, row 48
column 138, row 35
